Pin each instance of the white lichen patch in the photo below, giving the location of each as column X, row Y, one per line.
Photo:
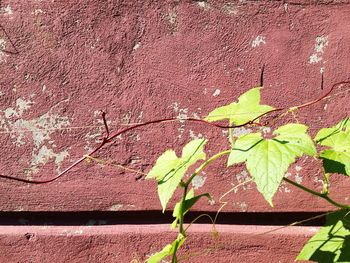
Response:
column 230, row 9
column 116, row 207
column 204, row 5
column 242, row 205
column 298, row 179
column 216, row 92
column 136, row 46
column 37, row 12
column 3, row 55
column 7, row 10
column 241, row 178
column 182, row 115
column 194, row 136
column 259, row 40
column 171, row 17
column 198, row 181
column 211, row 201
column 319, row 48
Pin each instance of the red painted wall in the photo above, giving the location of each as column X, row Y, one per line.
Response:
column 61, row 62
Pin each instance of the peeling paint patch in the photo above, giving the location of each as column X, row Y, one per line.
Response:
column 21, row 106
column 3, row 55
column 216, row 92
column 78, row 232
column 241, row 131
column 39, row 128
column 43, row 156
column 259, row 40
column 6, row 10
column 198, row 181
column 320, row 45
column 171, row 19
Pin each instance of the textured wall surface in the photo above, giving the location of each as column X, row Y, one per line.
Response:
column 62, row 62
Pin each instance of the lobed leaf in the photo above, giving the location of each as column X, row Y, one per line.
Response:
column 169, row 169
column 246, row 109
column 268, row 160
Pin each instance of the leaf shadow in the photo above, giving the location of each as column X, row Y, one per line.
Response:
column 331, row 166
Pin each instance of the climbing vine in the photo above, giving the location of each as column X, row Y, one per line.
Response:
column 267, row 158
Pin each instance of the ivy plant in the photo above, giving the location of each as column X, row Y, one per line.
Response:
column 267, row 158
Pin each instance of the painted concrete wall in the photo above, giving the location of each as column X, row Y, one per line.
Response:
column 62, row 62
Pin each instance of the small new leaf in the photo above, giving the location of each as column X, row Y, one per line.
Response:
column 187, row 204
column 268, row 160
column 246, row 109
column 336, row 159
column 168, row 250
column 169, row 169
column 332, row 242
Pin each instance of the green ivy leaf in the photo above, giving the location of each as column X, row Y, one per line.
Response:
column 337, row 158
column 168, row 250
column 190, row 200
column 268, row 160
column 169, row 169
column 332, row 242
column 246, row 109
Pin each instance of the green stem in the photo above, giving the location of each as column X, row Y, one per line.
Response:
column 174, row 257
column 185, row 186
column 182, row 212
column 322, row 195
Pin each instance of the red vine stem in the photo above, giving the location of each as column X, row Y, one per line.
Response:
column 110, row 137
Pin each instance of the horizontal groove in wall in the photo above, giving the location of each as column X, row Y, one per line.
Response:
column 155, row 217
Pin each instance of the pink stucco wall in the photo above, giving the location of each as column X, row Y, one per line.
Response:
column 62, row 62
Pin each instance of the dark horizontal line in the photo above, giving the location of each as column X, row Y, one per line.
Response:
column 153, row 217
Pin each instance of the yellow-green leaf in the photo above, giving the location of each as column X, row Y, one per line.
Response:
column 246, row 109
column 168, row 250
column 169, row 169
